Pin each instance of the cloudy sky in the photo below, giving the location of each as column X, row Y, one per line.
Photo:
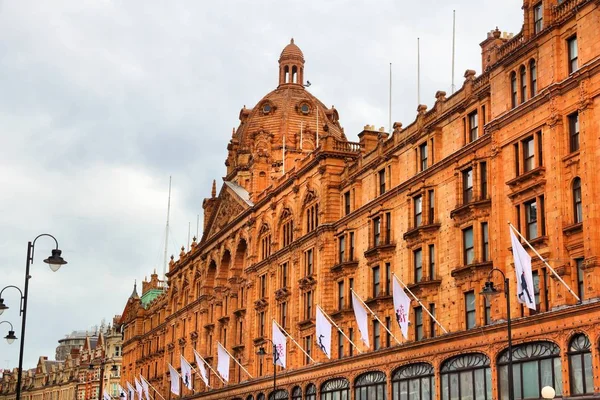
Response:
column 102, row 100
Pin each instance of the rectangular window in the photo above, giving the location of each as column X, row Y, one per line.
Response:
column 341, row 293
column 308, row 349
column 418, row 204
column 470, row 309
column 418, row 265
column 538, row 18
column 485, row 242
column 531, row 219
column 376, row 231
column 283, row 313
column 381, row 182
column 388, row 337
column 488, row 311
column 523, row 79
column 351, row 337
column 517, row 159
column 473, row 126
column 533, row 77
column 342, row 248
column 577, row 202
column 263, row 286
column 431, row 204
column 340, row 345
column 376, row 281
column 388, row 228
column 388, row 278
column 418, row 323
column 536, row 290
column 432, row 273
column 467, row 184
column 284, row 275
column 572, row 52
column 308, row 262
column 351, row 254
column 513, row 89
column 423, row 156
column 376, row 335
column 350, row 289
column 308, row 305
column 468, row 247
column 261, row 324
column 580, row 282
column 528, row 154
column 432, row 324
column 483, row 180
column 574, row 132
column 347, row 203
column 546, row 298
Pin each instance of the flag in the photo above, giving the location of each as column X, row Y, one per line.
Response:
column 362, row 319
column 223, row 362
column 401, row 307
column 202, row 368
column 105, row 395
column 131, row 392
column 525, row 292
column 186, row 373
column 279, row 345
column 122, row 394
column 138, row 389
column 144, row 383
column 323, row 333
column 174, row 380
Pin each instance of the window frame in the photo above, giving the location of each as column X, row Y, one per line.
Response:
column 538, row 18
column 418, row 265
column 468, row 248
column 470, row 310
column 423, row 156
column 473, row 119
column 467, row 185
column 574, row 133
column 577, row 200
column 572, row 54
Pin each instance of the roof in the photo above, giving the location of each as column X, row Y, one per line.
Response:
column 240, row 191
column 291, row 51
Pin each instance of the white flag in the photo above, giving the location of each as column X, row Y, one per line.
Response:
column 105, row 395
column 174, row 380
column 362, row 319
column 138, row 389
column 401, row 307
column 122, row 394
column 186, row 373
column 144, row 383
column 280, row 345
column 131, row 390
column 202, row 368
column 525, row 291
column 323, row 333
column 223, row 362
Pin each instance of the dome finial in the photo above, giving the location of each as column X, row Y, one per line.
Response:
column 292, row 41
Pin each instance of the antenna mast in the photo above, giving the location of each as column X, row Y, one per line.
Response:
column 390, row 109
column 167, row 233
column 453, row 45
column 418, row 71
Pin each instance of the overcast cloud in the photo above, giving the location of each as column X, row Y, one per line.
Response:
column 100, row 101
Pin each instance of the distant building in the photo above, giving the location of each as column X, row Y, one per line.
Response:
column 74, row 340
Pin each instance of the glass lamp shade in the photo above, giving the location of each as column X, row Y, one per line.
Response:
column 55, row 261
column 489, row 291
column 548, row 392
column 261, row 352
column 10, row 338
column 2, row 306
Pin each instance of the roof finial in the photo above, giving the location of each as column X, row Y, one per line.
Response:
column 214, row 189
column 292, row 41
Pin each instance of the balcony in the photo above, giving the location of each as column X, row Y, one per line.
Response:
column 421, row 233
column 465, row 271
column 344, row 266
column 382, row 249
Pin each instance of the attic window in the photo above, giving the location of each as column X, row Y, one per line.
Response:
column 304, row 108
column 266, row 108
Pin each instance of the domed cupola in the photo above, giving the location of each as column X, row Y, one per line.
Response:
column 291, row 65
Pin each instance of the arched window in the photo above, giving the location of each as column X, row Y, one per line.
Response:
column 370, row 386
column 286, row 80
column 414, row 381
column 533, row 77
column 287, row 227
column 577, row 206
column 312, row 217
column 280, row 394
column 513, row 89
column 580, row 365
column 535, row 365
column 294, row 74
column 523, row 78
column 250, row 397
column 311, row 392
column 265, row 241
column 260, row 396
column 297, row 393
column 467, row 376
column 335, row 389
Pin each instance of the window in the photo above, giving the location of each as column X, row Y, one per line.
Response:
column 538, row 18
column 308, row 305
column 513, row 89
column 467, row 181
column 340, row 345
column 263, row 286
column 572, row 52
column 580, row 365
column 388, row 228
column 287, row 232
column 423, row 156
column 418, row 323
column 342, row 248
column 535, row 365
column 376, row 231
column 528, row 154
column 485, row 242
column 418, row 203
column 338, row 388
column 473, row 126
column 308, row 348
column 351, row 337
column 531, row 219
column 381, row 182
column 577, row 205
column 470, row 309
column 261, row 324
column 308, row 262
column 376, row 335
column 376, row 281
column 311, row 392
column 467, row 376
column 340, row 295
column 369, row 386
column 282, row 314
column 431, row 204
column 284, row 275
column 418, row 265
column 413, row 381
column 312, row 218
column 533, row 77
column 432, row 323
column 347, row 203
column 431, row 271
column 388, row 337
column 523, row 79
column 351, row 254
column 297, row 393
column 265, row 246
column 468, row 247
column 574, row 132
column 487, row 311
column 580, row 275
column 483, row 180
column 388, row 278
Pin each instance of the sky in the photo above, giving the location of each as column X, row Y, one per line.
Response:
column 102, row 100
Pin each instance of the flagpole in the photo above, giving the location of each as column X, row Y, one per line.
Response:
column 236, row 361
column 545, row 262
column 148, row 383
column 208, row 365
column 317, row 110
column 375, row 315
column 421, row 304
column 294, row 341
column 155, row 390
column 339, row 329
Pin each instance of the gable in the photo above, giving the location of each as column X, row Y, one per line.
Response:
column 232, row 201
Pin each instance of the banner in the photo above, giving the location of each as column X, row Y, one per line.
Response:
column 138, row 389
column 202, row 368
column 131, row 392
column 401, row 307
column 122, row 394
column 362, row 319
column 323, row 333
column 525, row 292
column 279, row 345
column 223, row 362
column 174, row 380
column 145, row 387
column 186, row 373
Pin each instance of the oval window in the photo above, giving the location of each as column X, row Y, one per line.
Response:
column 304, row 108
column 267, row 108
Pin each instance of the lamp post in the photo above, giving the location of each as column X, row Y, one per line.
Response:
column 261, row 352
column 55, row 261
column 10, row 338
column 103, row 362
column 488, row 291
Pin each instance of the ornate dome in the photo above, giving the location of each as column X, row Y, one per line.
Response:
column 291, row 52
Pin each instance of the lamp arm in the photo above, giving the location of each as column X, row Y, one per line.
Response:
column 36, row 238
column 7, row 322
column 504, row 279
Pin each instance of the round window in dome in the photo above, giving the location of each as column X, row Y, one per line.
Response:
column 267, row 108
column 304, row 108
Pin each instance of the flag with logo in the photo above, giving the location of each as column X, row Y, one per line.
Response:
column 138, row 389
column 323, row 333
column 131, row 391
column 186, row 373
column 280, row 345
column 122, row 394
column 174, row 380
column 401, row 307
column 105, row 395
column 202, row 368
column 362, row 319
column 525, row 292
column 145, row 387
column 223, row 361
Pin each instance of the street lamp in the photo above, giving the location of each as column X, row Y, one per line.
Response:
column 55, row 261
column 103, row 362
column 488, row 291
column 261, row 353
column 10, row 338
column 548, row 392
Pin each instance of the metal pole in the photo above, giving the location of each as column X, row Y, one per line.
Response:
column 23, row 320
column 511, row 394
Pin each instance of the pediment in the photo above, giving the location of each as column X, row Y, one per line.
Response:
column 231, row 202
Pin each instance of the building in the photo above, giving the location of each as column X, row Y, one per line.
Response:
column 304, row 216
column 74, row 340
